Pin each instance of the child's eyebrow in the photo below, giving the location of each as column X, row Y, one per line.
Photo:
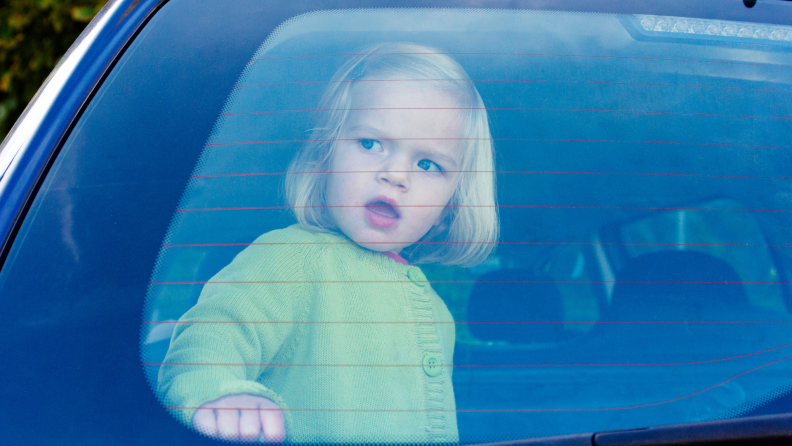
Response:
column 366, row 127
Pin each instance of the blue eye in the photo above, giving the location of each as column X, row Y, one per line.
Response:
column 429, row 166
column 371, row 145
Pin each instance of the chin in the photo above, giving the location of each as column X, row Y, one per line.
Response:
column 375, row 242
column 381, row 247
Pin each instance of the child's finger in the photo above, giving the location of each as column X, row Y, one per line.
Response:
column 272, row 422
column 249, row 424
column 228, row 423
column 204, row 421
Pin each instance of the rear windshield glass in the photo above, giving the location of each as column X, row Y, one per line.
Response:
column 604, row 228
column 442, row 226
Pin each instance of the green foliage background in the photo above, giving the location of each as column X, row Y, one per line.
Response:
column 34, row 34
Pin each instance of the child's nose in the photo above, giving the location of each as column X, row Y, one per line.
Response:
column 396, row 174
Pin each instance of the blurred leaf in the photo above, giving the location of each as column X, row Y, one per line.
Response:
column 5, row 82
column 34, row 34
column 84, row 14
column 17, row 21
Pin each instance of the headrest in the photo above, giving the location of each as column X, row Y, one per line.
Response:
column 516, row 295
column 676, row 285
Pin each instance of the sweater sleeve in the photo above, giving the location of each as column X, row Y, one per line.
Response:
column 223, row 344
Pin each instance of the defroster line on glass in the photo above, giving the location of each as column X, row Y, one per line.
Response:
column 593, row 56
column 736, row 245
column 501, row 206
column 607, row 141
column 528, row 172
column 648, row 364
column 690, row 282
column 463, row 322
column 719, row 115
column 547, row 81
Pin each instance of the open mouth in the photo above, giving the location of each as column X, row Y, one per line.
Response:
column 382, row 212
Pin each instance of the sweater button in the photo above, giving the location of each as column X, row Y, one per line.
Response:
column 416, row 276
column 432, row 365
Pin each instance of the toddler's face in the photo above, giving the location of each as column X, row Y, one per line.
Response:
column 405, row 160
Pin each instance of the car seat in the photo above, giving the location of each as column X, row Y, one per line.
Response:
column 677, row 286
column 501, row 298
column 669, row 299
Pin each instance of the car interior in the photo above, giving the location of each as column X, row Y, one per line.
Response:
column 642, row 275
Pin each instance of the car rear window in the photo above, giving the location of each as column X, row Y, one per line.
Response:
column 641, row 275
column 638, row 277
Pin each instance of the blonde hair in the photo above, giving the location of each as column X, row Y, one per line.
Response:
column 470, row 226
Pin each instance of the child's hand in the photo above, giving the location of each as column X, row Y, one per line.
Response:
column 219, row 419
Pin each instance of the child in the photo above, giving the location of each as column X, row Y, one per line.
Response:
column 323, row 331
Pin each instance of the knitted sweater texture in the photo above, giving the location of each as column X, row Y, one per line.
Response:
column 345, row 340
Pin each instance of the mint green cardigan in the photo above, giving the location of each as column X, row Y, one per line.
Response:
column 354, row 346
